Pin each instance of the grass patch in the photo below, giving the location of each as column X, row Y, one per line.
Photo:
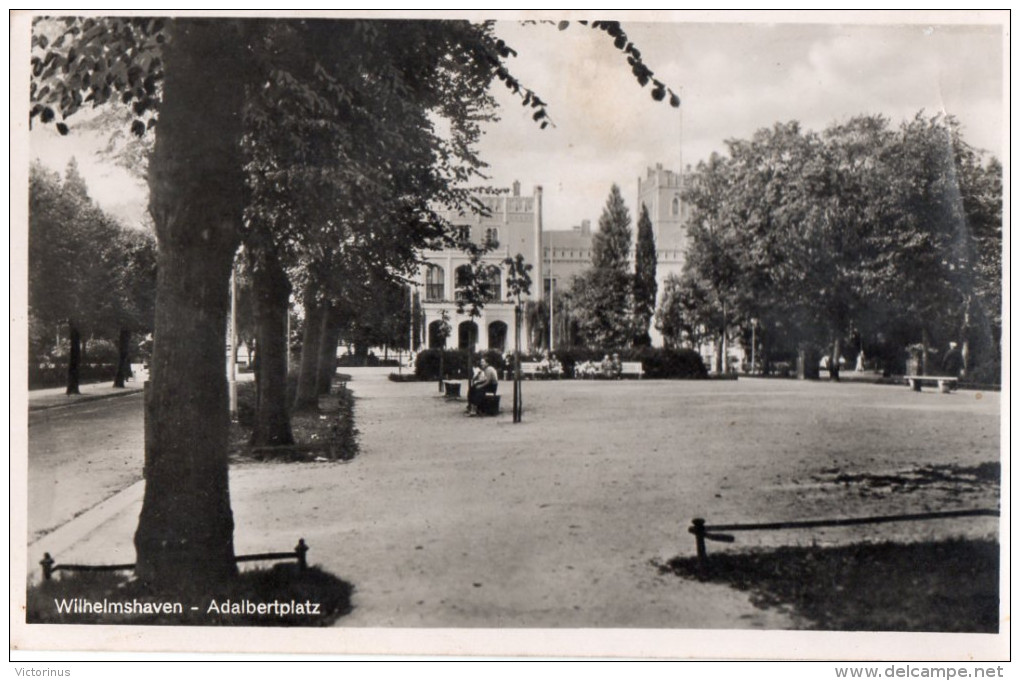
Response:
column 323, row 599
column 935, row 586
column 327, row 434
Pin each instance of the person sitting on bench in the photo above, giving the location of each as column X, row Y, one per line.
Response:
column 485, row 381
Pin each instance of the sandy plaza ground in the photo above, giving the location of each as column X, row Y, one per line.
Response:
column 560, row 521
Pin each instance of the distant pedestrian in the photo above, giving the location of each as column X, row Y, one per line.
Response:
column 952, row 361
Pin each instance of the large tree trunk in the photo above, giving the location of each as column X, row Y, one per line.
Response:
column 307, row 397
column 719, row 351
column 924, row 350
column 837, row 351
column 196, row 182
column 329, row 337
column 272, row 298
column 123, row 358
column 74, row 361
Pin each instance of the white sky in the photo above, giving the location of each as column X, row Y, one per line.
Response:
column 735, row 78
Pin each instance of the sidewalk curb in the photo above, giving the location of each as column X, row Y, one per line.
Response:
column 82, row 398
column 65, row 537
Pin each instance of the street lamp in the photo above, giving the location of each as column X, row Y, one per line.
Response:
column 232, row 349
column 552, row 295
column 754, row 327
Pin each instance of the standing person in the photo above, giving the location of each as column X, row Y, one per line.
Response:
column 952, row 361
column 476, row 377
column 485, row 381
column 617, row 366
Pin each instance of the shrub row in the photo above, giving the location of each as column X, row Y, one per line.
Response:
column 656, row 362
column 56, row 376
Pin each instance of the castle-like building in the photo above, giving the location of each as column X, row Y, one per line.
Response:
column 516, row 223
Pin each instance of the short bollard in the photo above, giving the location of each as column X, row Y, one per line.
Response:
column 47, row 566
column 697, row 528
column 302, row 551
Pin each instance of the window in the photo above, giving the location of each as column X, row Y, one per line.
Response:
column 676, row 205
column 461, row 278
column 492, row 236
column 435, row 283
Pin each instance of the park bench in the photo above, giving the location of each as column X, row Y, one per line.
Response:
column 631, row 369
column 529, row 369
column 452, row 388
column 537, row 370
column 945, row 383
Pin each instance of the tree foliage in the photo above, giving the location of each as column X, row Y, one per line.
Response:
column 600, row 298
column 645, row 286
column 85, row 269
column 334, row 106
column 862, row 232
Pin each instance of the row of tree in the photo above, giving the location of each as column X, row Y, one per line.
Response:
column 611, row 303
column 92, row 281
column 324, row 148
column 863, row 234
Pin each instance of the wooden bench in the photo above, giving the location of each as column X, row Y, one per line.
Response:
column 452, row 388
column 945, row 383
column 631, row 369
column 536, row 370
column 529, row 369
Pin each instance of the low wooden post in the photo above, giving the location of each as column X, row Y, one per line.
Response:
column 47, row 566
column 302, row 551
column 697, row 528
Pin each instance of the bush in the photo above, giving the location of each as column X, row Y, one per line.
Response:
column 667, row 363
column 656, row 362
column 988, row 372
column 56, row 375
column 455, row 364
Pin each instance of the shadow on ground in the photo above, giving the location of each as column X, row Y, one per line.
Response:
column 935, row 586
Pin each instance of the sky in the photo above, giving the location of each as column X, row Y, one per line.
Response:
column 734, row 77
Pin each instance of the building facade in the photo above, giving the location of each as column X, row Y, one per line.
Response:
column 515, row 223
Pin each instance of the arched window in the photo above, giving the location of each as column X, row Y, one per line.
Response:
column 435, row 283
column 467, row 335
column 436, row 339
column 676, row 206
column 497, row 336
column 492, row 236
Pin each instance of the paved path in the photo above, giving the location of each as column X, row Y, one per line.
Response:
column 80, row 455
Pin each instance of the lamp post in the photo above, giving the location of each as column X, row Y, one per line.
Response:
column 231, row 362
column 552, row 296
column 754, row 344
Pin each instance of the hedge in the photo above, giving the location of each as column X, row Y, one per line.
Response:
column 655, row 362
column 56, row 376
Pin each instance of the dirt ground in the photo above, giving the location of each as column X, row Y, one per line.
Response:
column 449, row 521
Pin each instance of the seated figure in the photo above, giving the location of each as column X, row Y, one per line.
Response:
column 484, row 381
